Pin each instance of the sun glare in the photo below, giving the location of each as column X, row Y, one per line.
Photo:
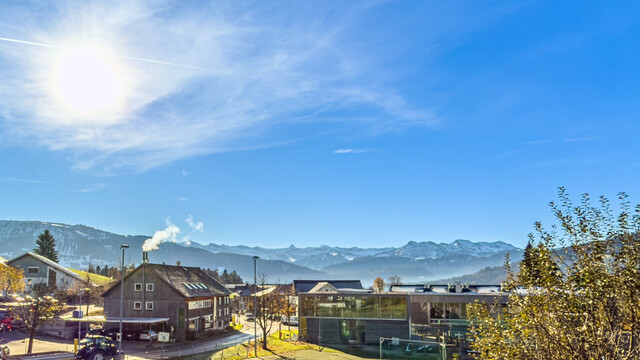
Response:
column 86, row 82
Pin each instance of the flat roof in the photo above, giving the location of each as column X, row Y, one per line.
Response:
column 85, row 319
column 134, row 320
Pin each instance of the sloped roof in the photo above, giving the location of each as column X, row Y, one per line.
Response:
column 322, row 285
column 190, row 282
column 303, row 286
column 53, row 264
column 268, row 289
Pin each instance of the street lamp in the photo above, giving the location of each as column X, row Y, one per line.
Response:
column 80, row 314
column 255, row 306
column 123, row 247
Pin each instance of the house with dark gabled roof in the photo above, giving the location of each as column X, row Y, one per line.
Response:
column 184, row 301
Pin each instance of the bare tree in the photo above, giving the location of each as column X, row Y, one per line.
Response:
column 394, row 280
column 269, row 304
column 288, row 305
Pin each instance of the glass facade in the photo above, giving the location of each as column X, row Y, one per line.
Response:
column 356, row 306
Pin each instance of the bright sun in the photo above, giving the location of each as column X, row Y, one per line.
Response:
column 86, row 82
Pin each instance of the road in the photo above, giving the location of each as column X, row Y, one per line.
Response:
column 63, row 349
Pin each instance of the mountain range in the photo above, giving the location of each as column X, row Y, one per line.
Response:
column 80, row 245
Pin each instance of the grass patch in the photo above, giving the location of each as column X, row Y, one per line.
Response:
column 95, row 278
column 276, row 347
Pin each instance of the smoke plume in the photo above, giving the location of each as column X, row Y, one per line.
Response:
column 160, row 236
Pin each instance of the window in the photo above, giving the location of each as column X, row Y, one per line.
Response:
column 33, row 270
column 137, row 305
column 148, row 305
column 149, row 286
column 208, row 321
column 137, row 287
column 219, row 312
column 219, row 301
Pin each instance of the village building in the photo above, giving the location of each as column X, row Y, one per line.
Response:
column 443, row 309
column 40, row 270
column 341, row 312
column 184, row 301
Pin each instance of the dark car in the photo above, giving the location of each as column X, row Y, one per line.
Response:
column 96, row 347
column 111, row 333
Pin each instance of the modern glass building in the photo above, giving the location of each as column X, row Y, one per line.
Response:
column 443, row 309
column 353, row 317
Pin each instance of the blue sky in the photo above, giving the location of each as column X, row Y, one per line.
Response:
column 307, row 123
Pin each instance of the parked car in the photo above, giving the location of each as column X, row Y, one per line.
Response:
column 250, row 317
column 96, row 347
column 290, row 320
column 148, row 335
column 130, row 334
column 111, row 333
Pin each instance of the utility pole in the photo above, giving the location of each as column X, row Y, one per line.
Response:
column 123, row 247
column 255, row 306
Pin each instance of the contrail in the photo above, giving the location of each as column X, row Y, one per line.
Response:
column 159, row 62
column 30, row 43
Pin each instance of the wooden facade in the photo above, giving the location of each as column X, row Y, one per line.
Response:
column 194, row 302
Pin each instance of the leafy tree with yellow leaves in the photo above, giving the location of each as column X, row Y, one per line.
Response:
column 578, row 297
column 11, row 279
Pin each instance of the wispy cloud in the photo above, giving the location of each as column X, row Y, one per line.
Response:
column 350, row 151
column 197, row 80
column 92, row 188
column 181, row 198
column 579, row 139
column 195, row 225
column 19, row 180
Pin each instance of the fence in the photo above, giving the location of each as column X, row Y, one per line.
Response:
column 395, row 348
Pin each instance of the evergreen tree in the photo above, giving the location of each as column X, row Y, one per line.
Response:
column 46, row 246
column 225, row 277
column 234, row 278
